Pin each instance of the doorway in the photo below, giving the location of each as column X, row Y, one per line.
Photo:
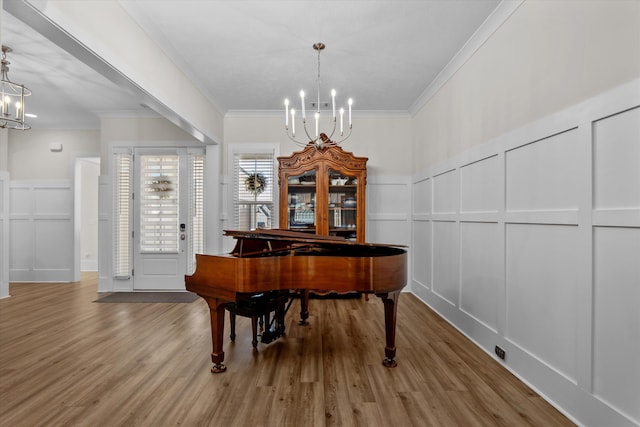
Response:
column 158, row 217
column 86, row 175
column 160, row 223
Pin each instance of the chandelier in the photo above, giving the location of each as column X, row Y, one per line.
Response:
column 12, row 101
column 314, row 135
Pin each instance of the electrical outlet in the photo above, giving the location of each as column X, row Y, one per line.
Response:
column 500, row 353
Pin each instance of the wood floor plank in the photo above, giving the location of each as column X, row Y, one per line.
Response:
column 66, row 360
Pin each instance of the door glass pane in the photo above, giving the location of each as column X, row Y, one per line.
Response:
column 302, row 201
column 159, row 203
column 342, row 204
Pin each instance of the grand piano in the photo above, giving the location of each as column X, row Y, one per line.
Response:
column 271, row 260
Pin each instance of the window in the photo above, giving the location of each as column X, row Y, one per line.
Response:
column 254, row 184
column 121, row 215
column 159, row 196
column 196, row 209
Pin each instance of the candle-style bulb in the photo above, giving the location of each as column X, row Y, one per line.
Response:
column 304, row 116
column 333, row 102
column 350, row 103
column 286, row 113
column 341, row 121
column 293, row 122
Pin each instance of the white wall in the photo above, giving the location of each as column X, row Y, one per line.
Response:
column 30, row 157
column 88, row 171
column 384, row 138
column 41, row 203
column 531, row 242
column 526, row 203
column 547, row 56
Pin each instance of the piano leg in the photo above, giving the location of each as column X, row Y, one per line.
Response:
column 304, row 306
column 390, row 302
column 216, row 311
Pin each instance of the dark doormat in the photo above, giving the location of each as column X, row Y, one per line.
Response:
column 149, row 297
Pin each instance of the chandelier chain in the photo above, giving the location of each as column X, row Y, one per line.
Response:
column 318, row 81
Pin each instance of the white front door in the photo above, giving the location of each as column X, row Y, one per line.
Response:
column 160, row 240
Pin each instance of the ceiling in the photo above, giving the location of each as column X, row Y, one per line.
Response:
column 250, row 55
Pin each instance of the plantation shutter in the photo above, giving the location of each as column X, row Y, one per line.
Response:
column 196, row 209
column 122, row 215
column 254, row 182
column 159, row 188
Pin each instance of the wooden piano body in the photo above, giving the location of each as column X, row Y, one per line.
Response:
column 269, row 260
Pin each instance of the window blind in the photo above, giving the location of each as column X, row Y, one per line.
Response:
column 196, row 209
column 122, row 215
column 159, row 188
column 254, row 176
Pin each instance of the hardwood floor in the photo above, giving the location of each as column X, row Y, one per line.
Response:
column 65, row 360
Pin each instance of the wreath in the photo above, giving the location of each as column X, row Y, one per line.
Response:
column 256, row 183
column 161, row 185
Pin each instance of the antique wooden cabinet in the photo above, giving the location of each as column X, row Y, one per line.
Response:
column 322, row 191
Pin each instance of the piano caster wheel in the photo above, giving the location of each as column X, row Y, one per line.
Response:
column 218, row 368
column 389, row 363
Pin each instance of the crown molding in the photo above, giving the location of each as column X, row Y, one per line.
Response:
column 233, row 114
column 494, row 21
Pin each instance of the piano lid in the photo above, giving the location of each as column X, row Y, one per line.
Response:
column 299, row 237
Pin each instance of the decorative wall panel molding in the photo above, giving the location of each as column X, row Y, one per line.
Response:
column 531, row 241
column 41, row 231
column 4, row 234
column 389, row 211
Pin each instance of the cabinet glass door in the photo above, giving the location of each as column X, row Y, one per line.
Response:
column 343, row 204
column 302, row 201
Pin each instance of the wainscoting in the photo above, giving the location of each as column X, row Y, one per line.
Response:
column 388, row 210
column 4, row 233
column 531, row 242
column 41, row 231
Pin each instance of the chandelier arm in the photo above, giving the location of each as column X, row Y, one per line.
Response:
column 300, row 143
column 345, row 138
column 334, row 128
column 304, row 125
